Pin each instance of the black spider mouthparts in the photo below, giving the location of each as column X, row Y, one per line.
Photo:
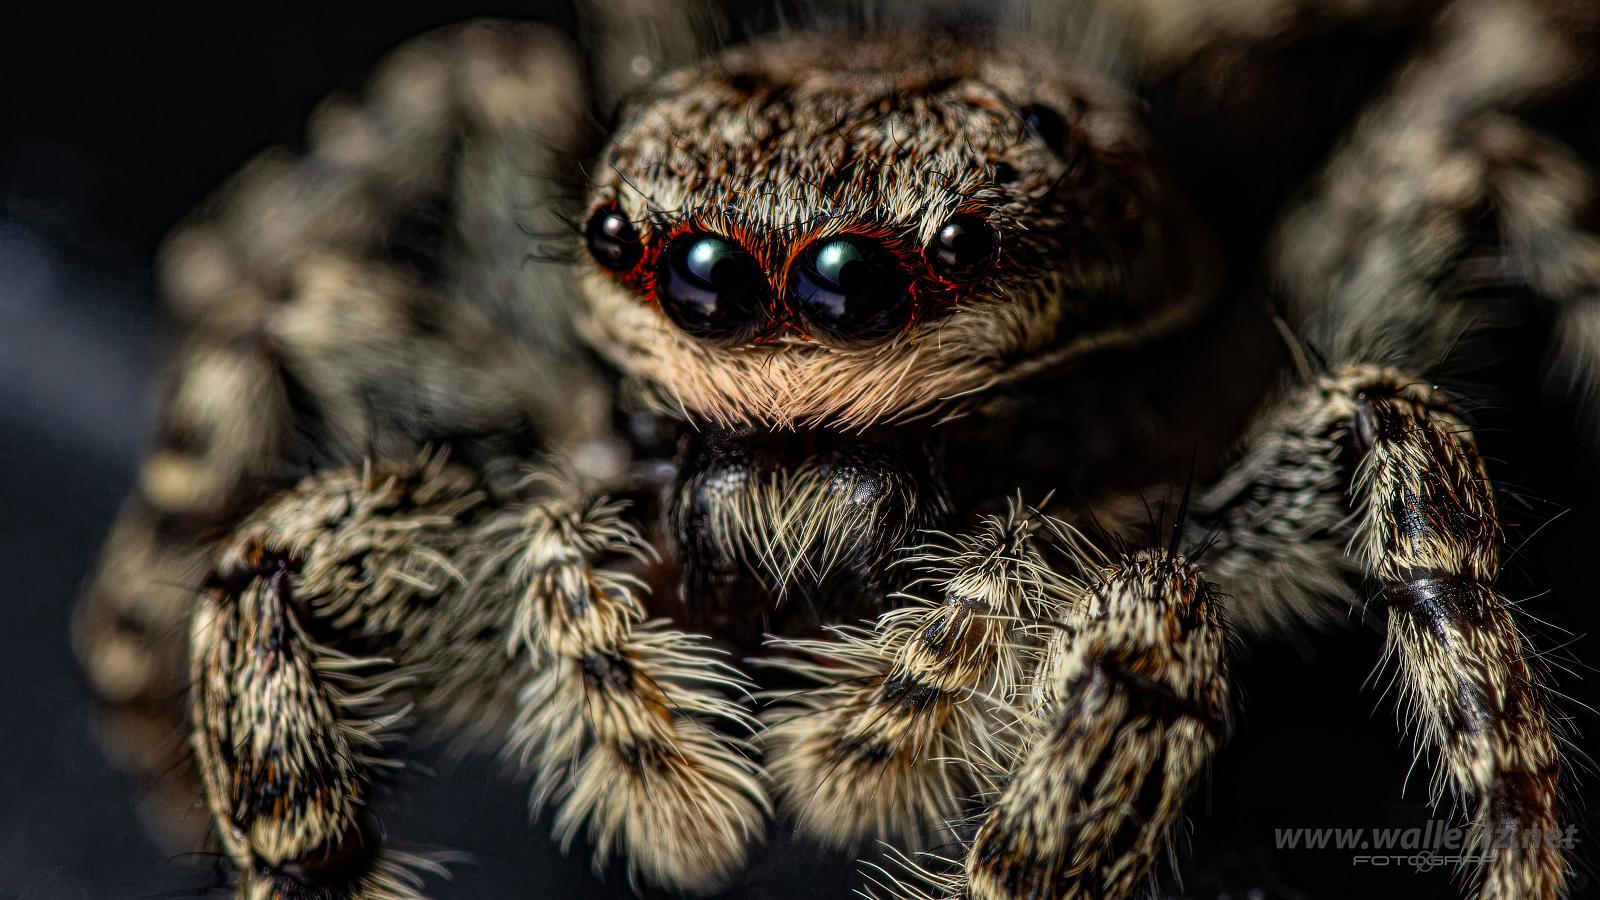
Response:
column 781, row 517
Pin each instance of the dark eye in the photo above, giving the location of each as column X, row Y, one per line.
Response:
column 851, row 290
column 964, row 248
column 711, row 288
column 1046, row 123
column 613, row 241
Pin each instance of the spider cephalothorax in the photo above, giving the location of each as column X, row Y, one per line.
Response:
column 811, row 237
column 820, row 336
column 900, row 222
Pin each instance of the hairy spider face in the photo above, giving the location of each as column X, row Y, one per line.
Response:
column 809, row 242
column 833, row 265
column 829, row 232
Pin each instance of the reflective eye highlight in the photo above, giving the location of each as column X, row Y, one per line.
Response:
column 851, row 290
column 964, row 248
column 840, row 264
column 711, row 288
column 612, row 239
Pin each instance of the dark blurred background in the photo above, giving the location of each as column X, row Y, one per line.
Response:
column 115, row 121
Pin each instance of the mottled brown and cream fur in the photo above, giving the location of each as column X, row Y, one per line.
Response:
column 786, row 143
column 421, row 460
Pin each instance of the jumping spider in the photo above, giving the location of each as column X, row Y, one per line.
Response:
column 834, row 307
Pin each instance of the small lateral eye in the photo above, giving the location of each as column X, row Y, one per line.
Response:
column 850, row 290
column 1045, row 122
column 613, row 241
column 964, row 248
column 711, row 288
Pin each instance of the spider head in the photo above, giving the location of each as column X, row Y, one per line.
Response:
column 811, row 248
column 818, row 231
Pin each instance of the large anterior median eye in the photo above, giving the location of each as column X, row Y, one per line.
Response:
column 851, row 290
column 711, row 288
